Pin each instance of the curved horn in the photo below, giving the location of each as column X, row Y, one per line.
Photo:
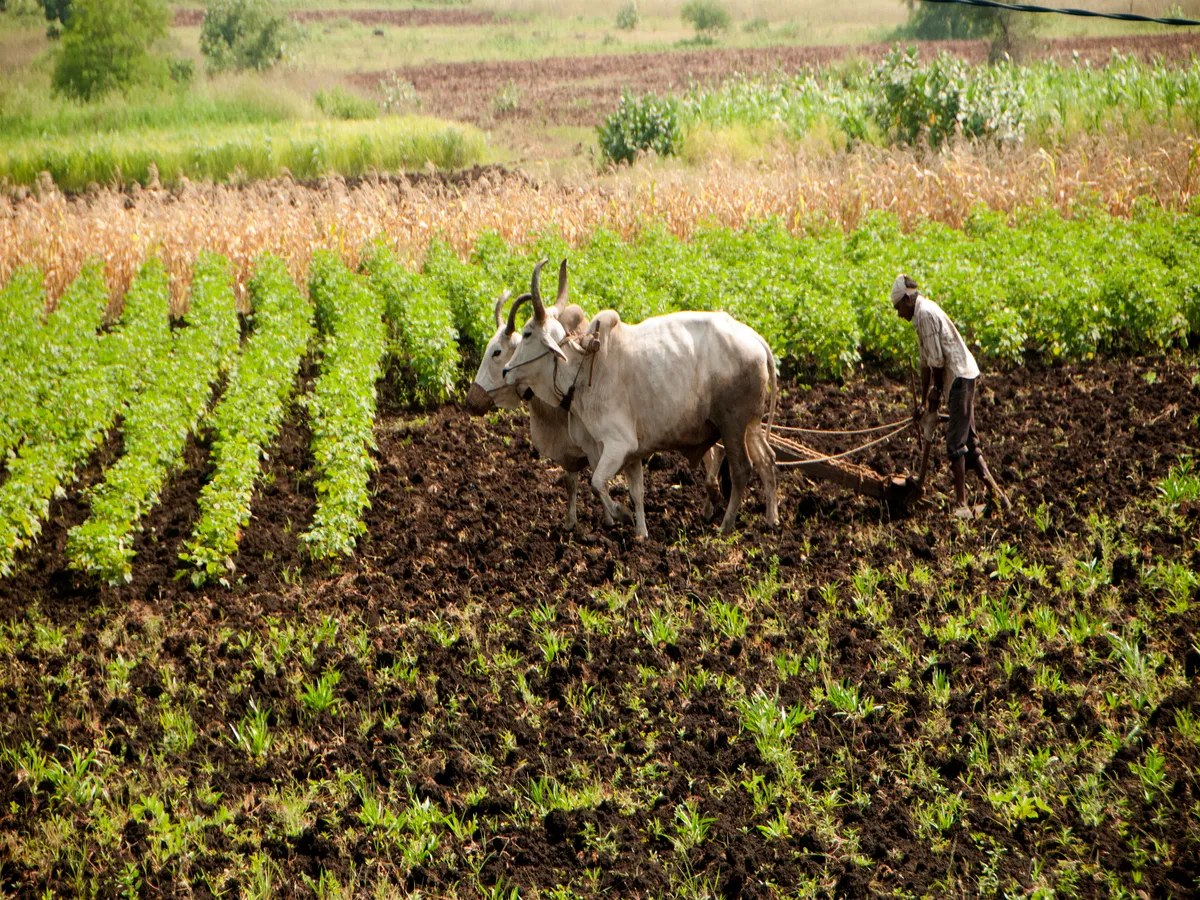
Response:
column 561, row 303
column 500, row 307
column 535, row 292
column 512, row 314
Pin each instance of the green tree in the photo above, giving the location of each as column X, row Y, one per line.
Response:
column 242, row 34
column 106, row 46
column 1007, row 30
column 58, row 13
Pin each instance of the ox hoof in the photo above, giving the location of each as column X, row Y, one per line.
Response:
column 625, row 515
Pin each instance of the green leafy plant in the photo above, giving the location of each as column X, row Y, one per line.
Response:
column 946, row 97
column 648, row 123
column 318, row 696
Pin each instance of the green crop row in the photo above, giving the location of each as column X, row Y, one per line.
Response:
column 158, row 422
column 1063, row 288
column 341, row 407
column 247, row 419
column 76, row 419
column 21, row 303
column 423, row 336
column 58, row 353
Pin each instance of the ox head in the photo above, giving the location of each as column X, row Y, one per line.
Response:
column 489, row 388
column 532, row 367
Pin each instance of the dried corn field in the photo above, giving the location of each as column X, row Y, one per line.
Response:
column 59, row 232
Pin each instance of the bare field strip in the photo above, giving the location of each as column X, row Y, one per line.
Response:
column 582, row 90
column 404, row 18
column 58, row 232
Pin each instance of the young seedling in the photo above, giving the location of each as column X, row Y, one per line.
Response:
column 691, row 828
column 253, row 735
column 318, row 697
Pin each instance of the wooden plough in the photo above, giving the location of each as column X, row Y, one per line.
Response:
column 897, row 491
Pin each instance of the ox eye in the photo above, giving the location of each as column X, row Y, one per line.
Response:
column 495, row 354
column 528, row 334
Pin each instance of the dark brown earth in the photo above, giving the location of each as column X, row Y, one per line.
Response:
column 402, row 18
column 582, row 90
column 463, row 515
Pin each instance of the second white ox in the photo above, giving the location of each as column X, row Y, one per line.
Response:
column 676, row 382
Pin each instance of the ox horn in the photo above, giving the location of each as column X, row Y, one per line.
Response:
column 500, row 307
column 535, row 292
column 561, row 303
column 512, row 314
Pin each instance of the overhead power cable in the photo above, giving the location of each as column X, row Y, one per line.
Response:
column 1088, row 13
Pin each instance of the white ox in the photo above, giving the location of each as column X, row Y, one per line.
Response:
column 676, row 382
column 548, row 424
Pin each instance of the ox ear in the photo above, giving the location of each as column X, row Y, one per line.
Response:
column 535, row 293
column 512, row 315
column 500, row 307
column 561, row 303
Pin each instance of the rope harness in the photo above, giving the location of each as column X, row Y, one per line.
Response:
column 821, row 459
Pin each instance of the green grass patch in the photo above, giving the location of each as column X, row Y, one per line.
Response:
column 306, row 149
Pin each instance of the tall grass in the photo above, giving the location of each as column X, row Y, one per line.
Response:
column 27, row 110
column 306, row 149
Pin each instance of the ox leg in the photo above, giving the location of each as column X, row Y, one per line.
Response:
column 712, row 480
column 571, row 483
column 634, row 474
column 611, row 462
column 739, row 476
column 763, row 458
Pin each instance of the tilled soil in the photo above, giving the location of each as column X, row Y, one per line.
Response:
column 465, row 550
column 583, row 90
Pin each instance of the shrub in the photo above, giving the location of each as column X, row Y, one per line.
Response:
column 628, row 17
column 183, row 71
column 106, row 46
column 340, row 103
column 242, row 34
column 945, row 97
column 651, row 123
column 705, row 15
column 399, row 94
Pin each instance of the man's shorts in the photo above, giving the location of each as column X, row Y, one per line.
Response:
column 961, row 439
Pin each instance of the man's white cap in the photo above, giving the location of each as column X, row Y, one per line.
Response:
column 899, row 290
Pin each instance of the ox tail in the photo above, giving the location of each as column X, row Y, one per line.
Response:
column 774, row 385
